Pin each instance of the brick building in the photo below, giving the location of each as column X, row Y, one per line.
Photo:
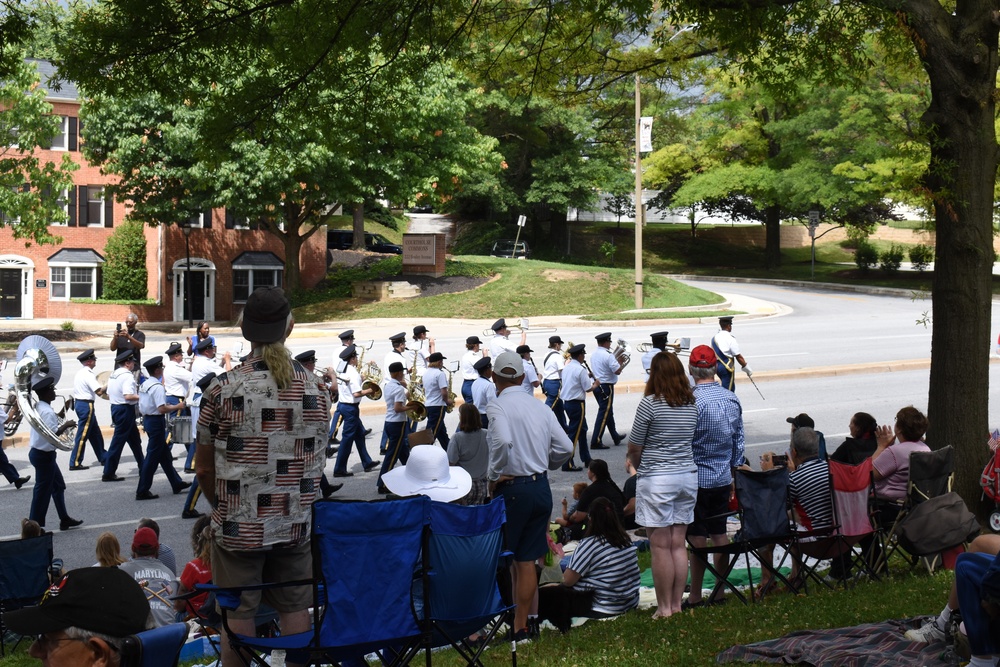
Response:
column 228, row 259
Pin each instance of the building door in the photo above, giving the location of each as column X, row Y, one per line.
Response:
column 10, row 292
column 197, row 294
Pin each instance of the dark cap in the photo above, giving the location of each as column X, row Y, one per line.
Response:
column 105, row 600
column 702, row 357
column 499, row 324
column 175, row 348
column 798, row 421
column 153, row 364
column 419, row 329
column 553, row 340
column 577, row 349
column 265, row 317
column 306, row 357
column 727, row 319
column 401, row 336
column 350, row 351
column 86, row 354
column 344, row 335
column 396, row 367
column 125, row 355
column 659, row 335
column 145, row 542
column 43, row 384
column 205, row 381
column 473, row 340
column 523, row 349
column 482, row 363
column 437, row 356
column 205, row 344
column 603, row 336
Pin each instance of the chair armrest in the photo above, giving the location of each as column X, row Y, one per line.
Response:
column 229, row 597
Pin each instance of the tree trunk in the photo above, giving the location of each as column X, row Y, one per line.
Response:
column 692, row 216
column 961, row 60
column 772, row 236
column 293, row 249
column 358, row 217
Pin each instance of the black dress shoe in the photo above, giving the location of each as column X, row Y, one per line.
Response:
column 112, row 478
column 368, row 431
column 374, row 465
column 383, row 491
column 69, row 523
column 189, row 471
column 331, row 451
column 191, row 514
column 79, row 467
column 343, row 474
column 334, row 441
column 146, row 495
column 182, row 487
column 572, row 469
column 21, row 481
column 593, row 447
column 332, row 489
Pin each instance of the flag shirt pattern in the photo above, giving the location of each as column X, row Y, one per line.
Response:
column 268, row 454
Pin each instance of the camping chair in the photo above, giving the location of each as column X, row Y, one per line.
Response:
column 24, row 575
column 763, row 512
column 365, row 555
column 159, row 647
column 851, row 494
column 466, row 573
column 209, row 621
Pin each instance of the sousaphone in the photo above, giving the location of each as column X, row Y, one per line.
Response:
column 38, row 358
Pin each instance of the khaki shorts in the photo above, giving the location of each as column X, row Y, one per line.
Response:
column 231, row 569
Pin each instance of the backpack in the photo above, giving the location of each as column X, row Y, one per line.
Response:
column 936, row 525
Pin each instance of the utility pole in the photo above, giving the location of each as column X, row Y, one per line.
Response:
column 639, row 213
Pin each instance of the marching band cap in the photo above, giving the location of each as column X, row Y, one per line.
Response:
column 727, row 319
column 798, row 421
column 205, row 381
column 523, row 349
column 419, row 329
column 500, row 324
column 577, row 349
column 658, row 335
column 43, row 384
column 396, row 367
column 702, row 357
column 175, row 348
column 86, row 354
column 124, row 355
column 398, row 337
column 153, row 363
column 437, row 356
column 509, row 365
column 351, row 351
column 306, row 357
column 553, row 340
column 265, row 317
column 482, row 363
column 346, row 334
column 603, row 336
column 244, row 357
column 473, row 340
column 204, row 344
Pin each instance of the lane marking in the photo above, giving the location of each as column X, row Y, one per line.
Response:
column 98, row 526
column 783, row 354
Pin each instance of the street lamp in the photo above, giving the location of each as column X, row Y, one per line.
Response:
column 186, row 228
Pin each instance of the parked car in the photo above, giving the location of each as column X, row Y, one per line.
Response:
column 343, row 239
column 508, row 248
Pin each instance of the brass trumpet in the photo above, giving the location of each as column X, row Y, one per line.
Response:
column 622, row 352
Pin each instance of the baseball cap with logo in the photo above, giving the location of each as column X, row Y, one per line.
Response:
column 509, row 365
column 702, row 357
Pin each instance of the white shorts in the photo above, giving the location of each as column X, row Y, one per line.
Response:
column 666, row 500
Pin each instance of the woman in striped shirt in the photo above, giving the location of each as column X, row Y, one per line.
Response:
column 667, row 486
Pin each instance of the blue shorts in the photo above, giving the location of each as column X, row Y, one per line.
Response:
column 529, row 507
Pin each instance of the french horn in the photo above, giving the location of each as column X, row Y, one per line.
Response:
column 38, row 358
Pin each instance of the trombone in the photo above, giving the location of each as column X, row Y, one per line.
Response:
column 522, row 327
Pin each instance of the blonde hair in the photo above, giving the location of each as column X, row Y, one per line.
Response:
column 276, row 356
column 109, row 551
column 201, row 539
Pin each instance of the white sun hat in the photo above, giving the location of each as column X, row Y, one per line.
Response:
column 427, row 473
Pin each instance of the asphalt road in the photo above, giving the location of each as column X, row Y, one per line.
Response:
column 819, row 333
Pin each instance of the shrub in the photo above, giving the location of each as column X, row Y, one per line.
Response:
column 921, row 256
column 68, row 326
column 890, row 259
column 856, row 235
column 125, row 262
column 477, row 238
column 866, row 256
column 374, row 210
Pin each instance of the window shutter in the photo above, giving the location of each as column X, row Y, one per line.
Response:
column 109, row 209
column 26, row 187
column 71, row 205
column 74, row 124
column 230, row 219
column 207, row 218
column 84, row 206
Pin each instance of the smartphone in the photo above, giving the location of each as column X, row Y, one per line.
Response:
column 118, row 327
column 780, row 460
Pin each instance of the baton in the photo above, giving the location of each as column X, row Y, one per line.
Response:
column 756, row 387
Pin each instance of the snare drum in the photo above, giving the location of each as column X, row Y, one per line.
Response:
column 180, row 430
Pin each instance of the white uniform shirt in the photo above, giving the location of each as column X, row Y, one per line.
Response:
column 49, row 418
column 350, row 382
column 483, row 391
column 176, row 379
column 202, row 366
column 604, row 365
column 467, row 365
column 3, row 420
column 393, row 393
column 151, row 396
column 122, row 382
column 553, row 365
column 523, row 436
column 727, row 343
column 575, row 381
column 390, row 359
column 337, row 361
column 419, row 356
column 530, row 376
column 501, row 344
column 85, row 384
column 647, row 358
column 435, row 380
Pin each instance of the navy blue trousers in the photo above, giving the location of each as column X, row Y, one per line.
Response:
column 605, row 414
column 551, row 390
column 576, row 429
column 126, row 431
column 157, row 455
column 397, row 448
column 87, row 430
column 435, row 422
column 353, row 436
column 49, row 485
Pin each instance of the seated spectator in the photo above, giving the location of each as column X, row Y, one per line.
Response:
column 628, row 493
column 109, row 551
column 468, row 449
column 861, row 444
column 166, row 556
column 157, row 581
column 568, row 510
column 96, row 608
column 602, row 579
column 601, row 486
column 30, row 529
column 427, row 473
column 198, row 570
column 805, row 420
column 891, row 458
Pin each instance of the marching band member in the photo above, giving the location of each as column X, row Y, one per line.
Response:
column 436, row 397
column 86, row 389
column 606, row 371
column 483, row 389
column 501, row 342
column 576, row 382
column 154, row 408
column 177, row 386
column 396, row 406
column 659, row 341
column 552, row 368
column 49, row 484
column 467, row 365
column 424, row 347
column 530, row 381
column 351, row 394
column 124, row 396
column 727, row 350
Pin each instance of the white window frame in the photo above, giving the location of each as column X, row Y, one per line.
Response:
column 250, row 270
column 63, row 135
column 104, row 202
column 64, row 198
column 67, row 279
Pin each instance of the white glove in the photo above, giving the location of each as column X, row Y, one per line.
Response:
column 746, row 369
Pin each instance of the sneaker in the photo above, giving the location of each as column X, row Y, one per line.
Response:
column 930, row 633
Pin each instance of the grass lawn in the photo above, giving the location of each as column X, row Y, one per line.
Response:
column 372, row 227
column 659, row 315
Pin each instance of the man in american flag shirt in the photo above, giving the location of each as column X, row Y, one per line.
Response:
column 262, row 436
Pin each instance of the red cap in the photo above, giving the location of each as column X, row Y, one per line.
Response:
column 702, row 357
column 144, row 542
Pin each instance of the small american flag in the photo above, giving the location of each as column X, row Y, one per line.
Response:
column 994, row 440
column 236, row 535
column 246, row 450
column 307, row 492
column 289, row 472
column 272, row 504
column 228, row 493
column 298, row 532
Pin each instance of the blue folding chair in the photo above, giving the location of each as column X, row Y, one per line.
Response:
column 365, row 555
column 24, row 575
column 464, row 565
column 159, row 647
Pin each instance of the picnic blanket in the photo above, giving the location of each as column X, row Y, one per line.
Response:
column 869, row 645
